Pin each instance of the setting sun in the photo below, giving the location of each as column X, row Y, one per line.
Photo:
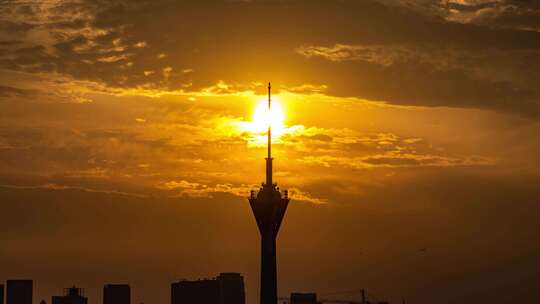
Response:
column 258, row 125
column 276, row 118
column 254, row 129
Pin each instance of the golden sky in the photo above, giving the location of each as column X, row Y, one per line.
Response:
column 409, row 140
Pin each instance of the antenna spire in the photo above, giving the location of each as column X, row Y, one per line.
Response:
column 269, row 121
column 269, row 158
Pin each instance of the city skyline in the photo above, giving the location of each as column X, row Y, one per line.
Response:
column 225, row 288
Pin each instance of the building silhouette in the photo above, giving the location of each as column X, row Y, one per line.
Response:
column 204, row 291
column 1, row 293
column 71, row 295
column 231, row 288
column 268, row 206
column 19, row 291
column 116, row 294
column 311, row 298
column 303, row 298
column 227, row 288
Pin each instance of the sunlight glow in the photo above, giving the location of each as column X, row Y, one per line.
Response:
column 261, row 118
column 258, row 126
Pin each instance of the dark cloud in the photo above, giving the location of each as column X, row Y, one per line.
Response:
column 15, row 27
column 10, row 42
column 513, row 14
column 10, row 92
column 510, row 17
column 399, row 55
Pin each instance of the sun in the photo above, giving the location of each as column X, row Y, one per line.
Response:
column 275, row 118
column 258, row 126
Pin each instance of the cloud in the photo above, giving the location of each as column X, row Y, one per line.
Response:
column 511, row 14
column 67, row 187
column 198, row 190
column 395, row 160
column 296, row 194
column 368, row 50
column 380, row 54
column 11, row 92
column 113, row 58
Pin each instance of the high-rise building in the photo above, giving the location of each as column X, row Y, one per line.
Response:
column 231, row 288
column 71, row 295
column 1, row 293
column 19, row 291
column 303, row 298
column 227, row 288
column 116, row 294
column 269, row 206
column 204, row 291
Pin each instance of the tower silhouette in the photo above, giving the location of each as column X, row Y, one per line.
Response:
column 269, row 206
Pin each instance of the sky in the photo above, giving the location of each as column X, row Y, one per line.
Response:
column 409, row 141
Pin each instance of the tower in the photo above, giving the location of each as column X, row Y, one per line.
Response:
column 269, row 206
